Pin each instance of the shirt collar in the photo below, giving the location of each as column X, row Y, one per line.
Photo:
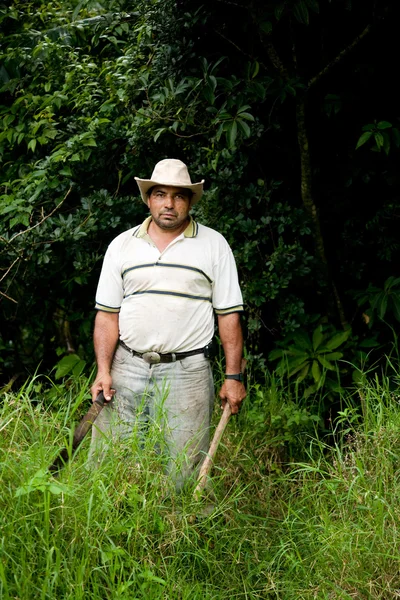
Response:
column 191, row 230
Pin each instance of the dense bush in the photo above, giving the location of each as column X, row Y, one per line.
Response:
column 92, row 95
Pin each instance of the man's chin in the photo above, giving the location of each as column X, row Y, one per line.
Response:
column 168, row 224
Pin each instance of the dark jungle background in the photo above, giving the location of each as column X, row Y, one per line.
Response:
column 290, row 112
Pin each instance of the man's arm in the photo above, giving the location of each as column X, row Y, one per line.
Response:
column 231, row 335
column 105, row 338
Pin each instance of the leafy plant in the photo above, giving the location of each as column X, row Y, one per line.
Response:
column 383, row 302
column 310, row 359
column 380, row 135
column 94, row 93
column 71, row 364
column 278, row 419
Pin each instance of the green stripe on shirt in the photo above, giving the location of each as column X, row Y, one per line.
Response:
column 165, row 293
column 168, row 265
column 227, row 311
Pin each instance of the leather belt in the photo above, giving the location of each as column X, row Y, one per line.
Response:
column 153, row 358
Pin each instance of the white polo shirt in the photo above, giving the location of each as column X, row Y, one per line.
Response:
column 166, row 300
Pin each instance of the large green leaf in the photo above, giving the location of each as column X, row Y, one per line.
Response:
column 325, row 363
column 337, row 340
column 301, row 367
column 384, row 125
column 277, row 353
column 379, row 139
column 391, row 282
column 318, row 336
column 302, row 340
column 245, row 128
column 383, row 306
column 294, row 363
column 316, row 371
column 363, row 139
column 300, row 12
column 295, row 351
column 310, row 390
column 66, row 365
column 332, row 356
column 376, row 300
column 247, row 116
column 232, row 133
column 303, row 373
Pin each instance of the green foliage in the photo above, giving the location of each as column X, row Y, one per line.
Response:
column 278, row 418
column 312, row 359
column 267, row 240
column 65, row 117
column 332, row 104
column 71, row 365
column 280, row 529
column 43, row 483
column 93, row 94
column 384, row 303
column 380, row 135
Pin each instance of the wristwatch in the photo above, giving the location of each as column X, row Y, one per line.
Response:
column 237, row 376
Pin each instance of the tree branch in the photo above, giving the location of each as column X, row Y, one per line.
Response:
column 340, row 56
column 44, row 218
column 239, row 48
column 26, row 231
column 8, row 297
column 276, row 61
column 10, row 267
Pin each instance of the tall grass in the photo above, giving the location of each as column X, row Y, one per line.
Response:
column 326, row 527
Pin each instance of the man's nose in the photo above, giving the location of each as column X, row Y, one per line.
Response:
column 169, row 201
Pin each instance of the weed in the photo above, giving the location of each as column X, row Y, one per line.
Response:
column 322, row 526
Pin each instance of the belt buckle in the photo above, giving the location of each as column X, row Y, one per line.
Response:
column 152, row 358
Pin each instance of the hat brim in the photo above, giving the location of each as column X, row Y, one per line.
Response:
column 145, row 184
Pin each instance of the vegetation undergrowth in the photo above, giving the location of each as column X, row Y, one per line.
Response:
column 325, row 526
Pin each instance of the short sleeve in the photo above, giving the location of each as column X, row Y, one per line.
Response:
column 227, row 296
column 110, row 291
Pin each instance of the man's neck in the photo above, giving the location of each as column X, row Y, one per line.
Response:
column 163, row 237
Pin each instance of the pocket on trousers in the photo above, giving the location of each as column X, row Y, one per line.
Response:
column 198, row 362
column 121, row 357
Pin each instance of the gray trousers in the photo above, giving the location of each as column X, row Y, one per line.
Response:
column 177, row 397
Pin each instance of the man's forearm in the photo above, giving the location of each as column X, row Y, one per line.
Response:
column 230, row 331
column 105, row 338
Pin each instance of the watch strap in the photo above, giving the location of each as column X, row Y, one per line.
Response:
column 237, row 376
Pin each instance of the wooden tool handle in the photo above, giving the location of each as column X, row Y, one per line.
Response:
column 206, row 466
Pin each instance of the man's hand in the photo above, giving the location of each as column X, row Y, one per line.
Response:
column 233, row 392
column 102, row 384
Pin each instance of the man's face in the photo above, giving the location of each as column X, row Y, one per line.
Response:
column 169, row 206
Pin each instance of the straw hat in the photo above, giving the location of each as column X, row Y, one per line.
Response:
column 170, row 171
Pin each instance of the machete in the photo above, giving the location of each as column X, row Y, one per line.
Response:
column 79, row 433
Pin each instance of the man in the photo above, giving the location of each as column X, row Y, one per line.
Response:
column 160, row 284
